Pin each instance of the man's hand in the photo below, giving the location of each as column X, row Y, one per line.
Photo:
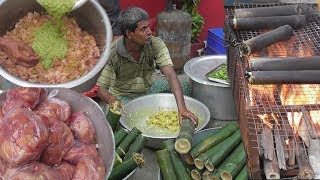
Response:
column 186, row 114
column 114, row 100
column 19, row 52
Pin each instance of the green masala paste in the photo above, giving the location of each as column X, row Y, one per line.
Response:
column 49, row 41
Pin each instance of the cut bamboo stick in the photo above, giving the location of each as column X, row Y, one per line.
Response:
column 114, row 115
column 285, row 77
column 178, row 166
column 282, row 33
column 268, row 11
column 233, row 164
column 218, row 153
column 184, row 138
column 243, row 174
column 127, row 141
column 126, row 167
column 196, row 173
column 136, row 147
column 305, row 169
column 279, row 149
column 258, row 23
column 165, row 164
column 215, row 138
column 119, row 136
column 271, row 168
column 267, row 142
column 314, row 157
column 117, row 160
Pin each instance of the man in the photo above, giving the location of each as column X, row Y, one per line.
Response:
column 128, row 72
column 18, row 52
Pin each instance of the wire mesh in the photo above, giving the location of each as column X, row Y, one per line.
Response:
column 292, row 110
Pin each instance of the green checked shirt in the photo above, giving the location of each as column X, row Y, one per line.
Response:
column 123, row 76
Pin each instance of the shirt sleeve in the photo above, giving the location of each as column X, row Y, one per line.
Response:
column 162, row 53
column 107, row 76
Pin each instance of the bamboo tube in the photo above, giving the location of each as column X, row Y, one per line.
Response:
column 215, row 138
column 233, row 164
column 117, row 160
column 119, row 136
column 178, row 166
column 126, row 167
column 114, row 115
column 196, row 173
column 257, row 23
column 243, row 174
column 268, row 11
column 136, row 147
column 218, row 153
column 184, row 139
column 282, row 33
column 284, row 63
column 127, row 141
column 165, row 164
column 285, row 77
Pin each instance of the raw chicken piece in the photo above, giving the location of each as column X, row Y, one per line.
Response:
column 65, row 170
column 3, row 167
column 60, row 107
column 32, row 171
column 90, row 167
column 23, row 136
column 60, row 142
column 80, row 150
column 82, row 128
column 23, row 98
column 48, row 117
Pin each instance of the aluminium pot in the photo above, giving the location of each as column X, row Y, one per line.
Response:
column 104, row 135
column 216, row 96
column 91, row 17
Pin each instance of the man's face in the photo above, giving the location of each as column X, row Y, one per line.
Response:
column 142, row 33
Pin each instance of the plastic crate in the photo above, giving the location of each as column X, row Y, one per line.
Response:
column 215, row 40
column 210, row 51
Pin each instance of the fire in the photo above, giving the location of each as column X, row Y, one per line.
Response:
column 262, row 95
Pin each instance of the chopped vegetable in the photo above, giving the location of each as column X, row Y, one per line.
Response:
column 165, row 119
column 220, row 73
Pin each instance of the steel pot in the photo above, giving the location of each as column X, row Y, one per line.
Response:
column 216, row 96
column 104, row 134
column 91, row 17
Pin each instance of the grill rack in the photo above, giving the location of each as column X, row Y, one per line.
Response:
column 305, row 42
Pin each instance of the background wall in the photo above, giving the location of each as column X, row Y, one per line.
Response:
column 211, row 10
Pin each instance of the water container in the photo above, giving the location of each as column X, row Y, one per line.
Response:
column 174, row 28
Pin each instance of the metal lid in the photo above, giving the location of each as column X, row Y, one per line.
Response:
column 197, row 68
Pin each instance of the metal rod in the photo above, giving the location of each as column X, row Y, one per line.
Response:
column 268, row 11
column 257, row 23
column 284, row 64
column 282, row 33
column 285, row 77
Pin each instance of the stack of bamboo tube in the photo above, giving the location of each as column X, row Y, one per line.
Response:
column 219, row 155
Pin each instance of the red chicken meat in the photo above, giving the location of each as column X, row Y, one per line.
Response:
column 78, row 151
column 32, row 171
column 60, row 142
column 89, row 167
column 55, row 106
column 23, row 136
column 82, row 128
column 21, row 97
column 65, row 170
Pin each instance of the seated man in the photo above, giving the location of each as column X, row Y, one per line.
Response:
column 132, row 61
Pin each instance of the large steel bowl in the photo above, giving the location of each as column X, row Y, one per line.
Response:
column 139, row 110
column 104, row 134
column 91, row 17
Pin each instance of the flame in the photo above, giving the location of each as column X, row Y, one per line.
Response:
column 315, row 117
column 263, row 118
column 262, row 95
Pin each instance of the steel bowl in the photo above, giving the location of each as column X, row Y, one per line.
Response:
column 198, row 137
column 91, row 17
column 139, row 110
column 104, row 134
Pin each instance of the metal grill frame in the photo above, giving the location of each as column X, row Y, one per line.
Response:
column 305, row 42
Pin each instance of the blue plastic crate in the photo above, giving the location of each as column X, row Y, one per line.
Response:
column 210, row 51
column 215, row 40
